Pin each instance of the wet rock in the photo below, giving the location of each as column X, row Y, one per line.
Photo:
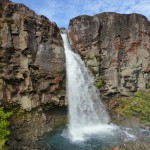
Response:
column 130, row 146
column 28, row 127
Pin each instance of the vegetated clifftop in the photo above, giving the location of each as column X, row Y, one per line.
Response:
column 32, row 73
column 31, row 58
column 116, row 47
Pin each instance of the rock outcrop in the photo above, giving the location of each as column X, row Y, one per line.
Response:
column 32, row 60
column 28, row 128
column 32, row 74
column 116, row 47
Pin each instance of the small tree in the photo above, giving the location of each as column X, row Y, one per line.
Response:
column 4, row 123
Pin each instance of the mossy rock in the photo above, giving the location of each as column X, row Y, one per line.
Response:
column 18, row 114
column 60, row 124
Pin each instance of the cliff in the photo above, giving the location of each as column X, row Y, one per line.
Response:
column 116, row 47
column 31, row 58
column 32, row 74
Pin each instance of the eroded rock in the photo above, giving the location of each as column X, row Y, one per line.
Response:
column 116, row 47
column 32, row 59
column 32, row 72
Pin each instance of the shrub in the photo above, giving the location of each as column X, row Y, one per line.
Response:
column 99, row 83
column 135, row 106
column 4, row 123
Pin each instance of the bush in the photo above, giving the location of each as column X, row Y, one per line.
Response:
column 99, row 83
column 4, row 123
column 136, row 106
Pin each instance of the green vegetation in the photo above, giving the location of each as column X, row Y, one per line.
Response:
column 99, row 83
column 136, row 106
column 148, row 85
column 60, row 92
column 18, row 114
column 4, row 123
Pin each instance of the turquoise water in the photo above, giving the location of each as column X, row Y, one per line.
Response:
column 58, row 140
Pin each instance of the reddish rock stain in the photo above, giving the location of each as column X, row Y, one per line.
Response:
column 147, row 69
column 134, row 46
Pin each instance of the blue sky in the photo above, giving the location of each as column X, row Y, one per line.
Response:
column 61, row 11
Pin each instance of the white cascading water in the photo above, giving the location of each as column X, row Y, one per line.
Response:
column 87, row 114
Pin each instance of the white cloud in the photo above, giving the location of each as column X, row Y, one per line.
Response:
column 61, row 11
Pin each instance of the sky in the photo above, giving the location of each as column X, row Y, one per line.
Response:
column 61, row 11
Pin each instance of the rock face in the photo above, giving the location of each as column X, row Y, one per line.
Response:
column 32, row 74
column 116, row 47
column 31, row 58
column 27, row 129
column 130, row 146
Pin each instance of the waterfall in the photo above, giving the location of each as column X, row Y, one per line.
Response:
column 87, row 113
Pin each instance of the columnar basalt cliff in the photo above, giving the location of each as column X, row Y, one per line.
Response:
column 31, row 58
column 32, row 73
column 116, row 47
